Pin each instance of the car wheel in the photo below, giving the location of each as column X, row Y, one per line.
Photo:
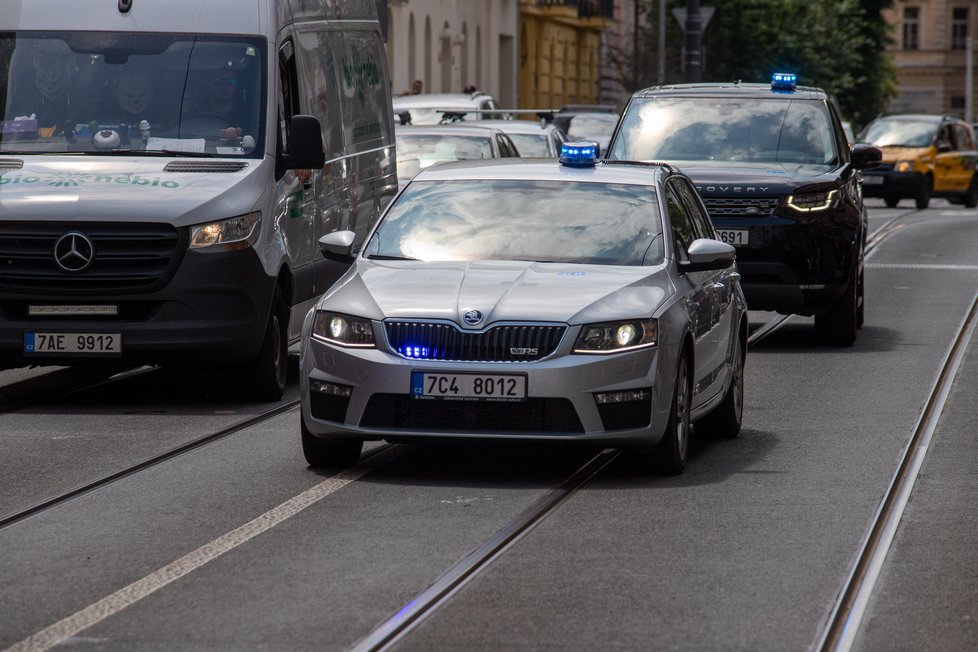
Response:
column 838, row 326
column 861, row 300
column 336, row 453
column 891, row 202
column 668, row 457
column 724, row 421
column 265, row 376
column 922, row 199
column 971, row 197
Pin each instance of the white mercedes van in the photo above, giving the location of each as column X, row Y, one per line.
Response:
column 167, row 169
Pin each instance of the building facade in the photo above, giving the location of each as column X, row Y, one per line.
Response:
column 450, row 44
column 930, row 40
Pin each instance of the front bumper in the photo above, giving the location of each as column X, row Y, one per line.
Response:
column 560, row 403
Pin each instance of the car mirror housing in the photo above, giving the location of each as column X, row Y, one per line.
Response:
column 338, row 245
column 866, row 156
column 708, row 255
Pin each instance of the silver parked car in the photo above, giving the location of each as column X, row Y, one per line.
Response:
column 573, row 300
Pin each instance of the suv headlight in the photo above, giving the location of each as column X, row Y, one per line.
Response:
column 615, row 337
column 811, row 202
column 903, row 166
column 344, row 330
column 227, row 235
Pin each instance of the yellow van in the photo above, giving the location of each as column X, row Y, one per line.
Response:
column 924, row 156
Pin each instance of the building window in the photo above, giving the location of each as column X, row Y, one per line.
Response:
column 959, row 28
column 911, row 28
column 957, row 102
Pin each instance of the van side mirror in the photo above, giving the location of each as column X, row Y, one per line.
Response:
column 306, row 149
column 866, row 156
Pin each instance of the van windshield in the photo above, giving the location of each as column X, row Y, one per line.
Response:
column 137, row 93
column 776, row 130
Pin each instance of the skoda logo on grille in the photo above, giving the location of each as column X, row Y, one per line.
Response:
column 472, row 317
column 74, row 252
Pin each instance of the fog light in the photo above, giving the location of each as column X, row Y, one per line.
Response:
column 105, row 310
column 319, row 387
column 623, row 397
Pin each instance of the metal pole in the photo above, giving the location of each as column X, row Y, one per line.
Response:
column 662, row 42
column 969, row 81
column 694, row 34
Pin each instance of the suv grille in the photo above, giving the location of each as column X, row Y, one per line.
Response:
column 440, row 341
column 741, row 206
column 531, row 415
column 127, row 256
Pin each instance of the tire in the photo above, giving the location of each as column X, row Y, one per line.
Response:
column 837, row 327
column 971, row 197
column 668, row 457
column 922, row 198
column 265, row 376
column 861, row 300
column 724, row 421
column 891, row 202
column 338, row 453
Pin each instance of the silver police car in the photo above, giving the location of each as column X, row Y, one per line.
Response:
column 573, row 300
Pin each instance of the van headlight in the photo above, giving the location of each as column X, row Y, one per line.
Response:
column 811, row 202
column 615, row 337
column 344, row 330
column 235, row 233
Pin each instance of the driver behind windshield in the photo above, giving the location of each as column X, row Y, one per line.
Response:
column 215, row 109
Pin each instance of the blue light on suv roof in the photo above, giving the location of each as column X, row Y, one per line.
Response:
column 783, row 81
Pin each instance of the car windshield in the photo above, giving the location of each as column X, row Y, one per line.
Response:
column 548, row 221
column 727, row 129
column 530, row 144
column 900, row 133
column 133, row 93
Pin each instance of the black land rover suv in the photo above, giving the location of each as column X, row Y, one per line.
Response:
column 776, row 173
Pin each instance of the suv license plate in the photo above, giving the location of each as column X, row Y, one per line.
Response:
column 735, row 237
column 480, row 387
column 872, row 180
column 77, row 343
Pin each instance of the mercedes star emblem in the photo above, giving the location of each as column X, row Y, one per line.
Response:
column 74, row 252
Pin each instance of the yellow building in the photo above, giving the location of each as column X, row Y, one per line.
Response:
column 559, row 51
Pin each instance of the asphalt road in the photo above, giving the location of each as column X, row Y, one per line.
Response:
column 238, row 545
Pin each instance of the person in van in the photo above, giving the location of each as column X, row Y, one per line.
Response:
column 48, row 87
column 132, row 98
column 216, row 111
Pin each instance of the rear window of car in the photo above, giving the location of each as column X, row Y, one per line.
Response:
column 763, row 130
column 546, row 221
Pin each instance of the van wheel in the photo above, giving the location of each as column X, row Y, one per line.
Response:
column 724, row 421
column 265, row 376
column 891, row 202
column 971, row 197
column 838, row 326
column 922, row 198
column 336, row 453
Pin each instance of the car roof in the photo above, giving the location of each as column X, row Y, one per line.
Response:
column 731, row 89
column 547, row 169
column 439, row 101
column 451, row 128
column 518, row 126
column 919, row 117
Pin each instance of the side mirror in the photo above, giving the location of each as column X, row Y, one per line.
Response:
column 338, row 245
column 944, row 146
column 708, row 255
column 306, row 149
column 866, row 156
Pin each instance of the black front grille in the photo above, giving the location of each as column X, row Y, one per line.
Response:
column 504, row 343
column 741, row 206
column 531, row 415
column 127, row 256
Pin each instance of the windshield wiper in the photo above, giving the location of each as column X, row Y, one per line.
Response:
column 386, row 257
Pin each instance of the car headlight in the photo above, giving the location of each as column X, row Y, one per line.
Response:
column 614, row 337
column 227, row 235
column 811, row 202
column 903, row 166
column 344, row 330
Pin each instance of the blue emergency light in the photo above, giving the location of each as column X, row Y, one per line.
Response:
column 784, row 81
column 579, row 155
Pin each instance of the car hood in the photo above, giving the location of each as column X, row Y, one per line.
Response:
column 500, row 290
column 893, row 154
column 727, row 178
column 120, row 189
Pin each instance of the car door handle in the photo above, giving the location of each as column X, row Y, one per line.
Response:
column 734, row 276
column 719, row 286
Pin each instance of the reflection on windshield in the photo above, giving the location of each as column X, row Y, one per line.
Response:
column 415, row 152
column 610, row 224
column 154, row 93
column 728, row 129
column 906, row 133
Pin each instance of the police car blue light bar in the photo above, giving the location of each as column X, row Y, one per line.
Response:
column 784, row 81
column 579, row 154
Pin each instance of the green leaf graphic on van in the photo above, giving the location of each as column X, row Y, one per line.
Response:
column 67, row 179
column 76, row 179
